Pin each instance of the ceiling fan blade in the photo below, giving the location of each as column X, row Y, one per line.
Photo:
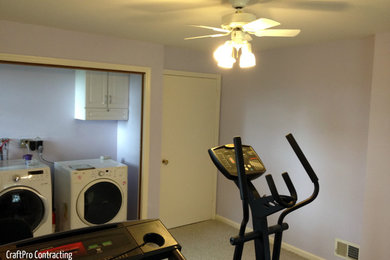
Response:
column 278, row 32
column 212, row 28
column 207, row 36
column 260, row 24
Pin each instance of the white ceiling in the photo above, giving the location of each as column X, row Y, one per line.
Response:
column 167, row 21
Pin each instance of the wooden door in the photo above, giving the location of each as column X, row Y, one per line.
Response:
column 190, row 127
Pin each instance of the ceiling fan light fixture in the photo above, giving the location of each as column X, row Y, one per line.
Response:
column 247, row 58
column 241, row 25
column 224, row 55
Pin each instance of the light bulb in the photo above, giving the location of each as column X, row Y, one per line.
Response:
column 223, row 55
column 247, row 58
column 227, row 63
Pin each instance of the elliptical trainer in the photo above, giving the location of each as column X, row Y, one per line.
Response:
column 241, row 164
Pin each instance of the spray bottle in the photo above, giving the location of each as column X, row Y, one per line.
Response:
column 4, row 148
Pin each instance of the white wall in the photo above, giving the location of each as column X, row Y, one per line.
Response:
column 376, row 207
column 25, row 39
column 320, row 93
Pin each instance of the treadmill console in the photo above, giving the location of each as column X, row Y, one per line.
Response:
column 224, row 159
column 132, row 240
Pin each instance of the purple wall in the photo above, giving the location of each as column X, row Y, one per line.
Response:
column 39, row 102
column 376, row 207
column 319, row 93
column 129, row 144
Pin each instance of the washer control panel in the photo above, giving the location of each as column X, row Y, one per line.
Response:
column 17, row 172
column 28, row 176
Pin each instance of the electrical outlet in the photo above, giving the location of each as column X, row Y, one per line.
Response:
column 34, row 144
column 23, row 143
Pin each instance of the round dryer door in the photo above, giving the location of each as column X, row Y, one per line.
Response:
column 99, row 202
column 23, row 203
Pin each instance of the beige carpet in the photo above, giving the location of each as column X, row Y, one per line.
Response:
column 209, row 240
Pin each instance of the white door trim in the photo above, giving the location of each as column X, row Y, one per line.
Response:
column 217, row 77
column 37, row 60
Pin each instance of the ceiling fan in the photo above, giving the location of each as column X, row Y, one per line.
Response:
column 241, row 25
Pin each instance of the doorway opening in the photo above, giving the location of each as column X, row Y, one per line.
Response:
column 136, row 125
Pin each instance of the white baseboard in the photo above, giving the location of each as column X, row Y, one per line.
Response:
column 285, row 246
column 230, row 222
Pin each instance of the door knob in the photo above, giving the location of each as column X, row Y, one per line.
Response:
column 165, row 161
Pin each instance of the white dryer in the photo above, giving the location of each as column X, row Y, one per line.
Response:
column 89, row 192
column 25, row 193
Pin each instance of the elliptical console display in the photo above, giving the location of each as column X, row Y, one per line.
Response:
column 225, row 160
column 241, row 164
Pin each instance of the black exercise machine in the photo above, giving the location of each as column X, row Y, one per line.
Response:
column 241, row 164
column 131, row 240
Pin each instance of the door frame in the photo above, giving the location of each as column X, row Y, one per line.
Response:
column 217, row 77
column 80, row 64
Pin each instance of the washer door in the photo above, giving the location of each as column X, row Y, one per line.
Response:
column 99, row 202
column 23, row 203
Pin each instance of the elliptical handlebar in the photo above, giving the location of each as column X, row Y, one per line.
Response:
column 309, row 170
column 302, row 158
column 285, row 201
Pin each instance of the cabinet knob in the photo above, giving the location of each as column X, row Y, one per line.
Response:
column 165, row 161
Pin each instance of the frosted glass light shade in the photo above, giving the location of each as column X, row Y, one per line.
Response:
column 223, row 55
column 247, row 58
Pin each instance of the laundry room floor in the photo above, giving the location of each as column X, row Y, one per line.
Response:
column 209, row 240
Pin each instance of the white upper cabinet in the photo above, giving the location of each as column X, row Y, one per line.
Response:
column 95, row 85
column 118, row 90
column 101, row 95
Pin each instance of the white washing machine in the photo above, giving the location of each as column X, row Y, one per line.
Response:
column 25, row 193
column 89, row 192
